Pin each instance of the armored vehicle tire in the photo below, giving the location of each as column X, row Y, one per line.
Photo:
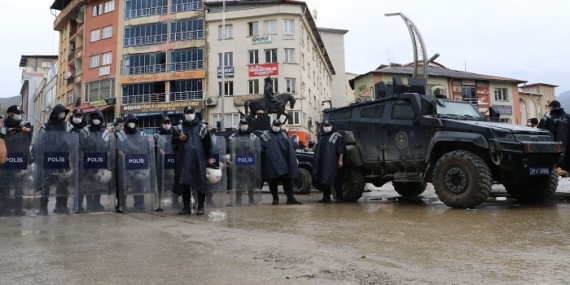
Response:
column 304, row 184
column 353, row 187
column 409, row 189
column 537, row 190
column 461, row 179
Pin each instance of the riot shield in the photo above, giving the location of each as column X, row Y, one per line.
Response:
column 245, row 169
column 217, row 192
column 56, row 177
column 165, row 158
column 136, row 172
column 15, row 175
column 97, row 171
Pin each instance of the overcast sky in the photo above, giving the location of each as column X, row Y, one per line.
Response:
column 521, row 39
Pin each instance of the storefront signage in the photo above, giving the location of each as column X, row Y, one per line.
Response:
column 288, row 36
column 98, row 103
column 110, row 101
column 483, row 96
column 160, row 107
column 163, row 76
column 504, row 109
column 261, row 40
column 228, row 72
column 265, row 69
column 240, row 100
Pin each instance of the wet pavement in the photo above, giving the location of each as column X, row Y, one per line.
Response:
column 382, row 239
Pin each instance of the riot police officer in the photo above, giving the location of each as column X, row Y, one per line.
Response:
column 279, row 162
column 327, row 169
column 241, row 142
column 77, row 121
column 165, row 133
column 14, row 123
column 191, row 142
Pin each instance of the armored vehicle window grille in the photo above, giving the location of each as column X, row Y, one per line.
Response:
column 403, row 111
column 341, row 114
column 372, row 112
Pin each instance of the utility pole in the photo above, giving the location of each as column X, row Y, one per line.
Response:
column 223, row 63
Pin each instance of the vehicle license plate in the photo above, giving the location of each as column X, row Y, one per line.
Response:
column 539, row 171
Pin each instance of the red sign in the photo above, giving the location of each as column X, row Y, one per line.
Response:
column 483, row 96
column 265, row 69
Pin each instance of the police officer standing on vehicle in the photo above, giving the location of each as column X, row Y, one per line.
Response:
column 279, row 162
column 14, row 125
column 327, row 170
column 192, row 144
column 557, row 122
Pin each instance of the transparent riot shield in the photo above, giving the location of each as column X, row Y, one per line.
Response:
column 16, row 192
column 245, row 169
column 165, row 159
column 136, row 172
column 97, row 171
column 56, row 175
column 217, row 192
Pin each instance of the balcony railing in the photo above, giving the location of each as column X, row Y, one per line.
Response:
column 70, row 55
column 70, row 80
column 188, row 35
column 72, row 32
column 146, row 12
column 194, row 6
column 187, row 65
column 146, row 40
column 147, row 69
column 186, row 95
column 161, row 97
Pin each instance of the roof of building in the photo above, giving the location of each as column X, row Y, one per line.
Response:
column 59, row 4
column 521, row 92
column 307, row 15
column 24, row 58
column 536, row 84
column 332, row 30
column 434, row 70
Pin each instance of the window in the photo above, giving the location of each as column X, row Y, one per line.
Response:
column 100, row 90
column 95, row 35
column 290, row 84
column 146, row 34
column 142, row 8
column 144, row 93
column 302, row 89
column 270, row 27
column 190, row 29
column 309, row 69
column 183, row 90
column 310, row 97
column 145, row 63
column 93, row 61
column 228, row 59
column 70, row 97
column 109, row 6
column 231, row 120
column 295, row 117
column 186, row 5
column 501, row 94
column 468, row 94
column 97, row 10
column 302, row 35
column 107, row 32
column 290, row 55
column 106, row 58
column 275, row 84
column 253, row 29
column 186, row 59
column 313, row 53
column 289, row 27
column 270, row 55
column 303, row 60
column 314, row 78
column 228, row 89
column 253, row 56
column 228, row 32
column 253, row 86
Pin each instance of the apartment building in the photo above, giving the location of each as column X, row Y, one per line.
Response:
column 35, row 71
column 536, row 98
column 262, row 39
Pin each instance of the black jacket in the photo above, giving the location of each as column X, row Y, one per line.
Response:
column 278, row 155
column 56, row 124
column 329, row 148
column 557, row 122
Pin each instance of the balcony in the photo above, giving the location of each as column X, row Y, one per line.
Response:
column 193, row 6
column 70, row 80
column 70, row 11
column 186, row 95
column 70, row 55
column 129, row 14
column 147, row 69
column 146, row 40
column 187, row 65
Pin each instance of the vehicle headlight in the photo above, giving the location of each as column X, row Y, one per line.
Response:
column 502, row 135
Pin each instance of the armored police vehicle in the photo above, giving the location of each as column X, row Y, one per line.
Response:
column 412, row 139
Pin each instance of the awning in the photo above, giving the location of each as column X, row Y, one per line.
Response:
column 92, row 109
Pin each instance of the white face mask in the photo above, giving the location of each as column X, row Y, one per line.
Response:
column 131, row 125
column 190, row 117
column 17, row 117
column 96, row 122
column 243, row 127
column 76, row 120
column 275, row 128
column 166, row 127
column 61, row 115
column 327, row 129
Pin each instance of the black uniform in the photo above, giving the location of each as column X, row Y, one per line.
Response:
column 8, row 181
column 55, row 124
column 241, row 134
column 326, row 173
column 191, row 160
column 159, row 168
column 557, row 122
column 279, row 163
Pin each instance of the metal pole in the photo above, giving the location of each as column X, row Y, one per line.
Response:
column 223, row 63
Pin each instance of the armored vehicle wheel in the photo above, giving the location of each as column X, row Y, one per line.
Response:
column 304, row 184
column 536, row 190
column 409, row 189
column 353, row 187
column 461, row 179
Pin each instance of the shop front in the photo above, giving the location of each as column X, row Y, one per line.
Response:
column 150, row 114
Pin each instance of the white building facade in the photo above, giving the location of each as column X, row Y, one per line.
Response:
column 276, row 39
column 334, row 41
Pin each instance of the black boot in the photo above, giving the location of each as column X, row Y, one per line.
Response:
column 326, row 196
column 187, row 209
column 43, row 206
column 251, row 199
column 290, row 198
column 201, row 200
column 275, row 197
column 61, row 205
